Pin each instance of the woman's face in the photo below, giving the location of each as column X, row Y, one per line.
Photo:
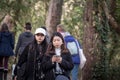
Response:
column 39, row 37
column 57, row 42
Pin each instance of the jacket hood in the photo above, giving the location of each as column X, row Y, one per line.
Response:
column 28, row 34
column 65, row 34
column 6, row 33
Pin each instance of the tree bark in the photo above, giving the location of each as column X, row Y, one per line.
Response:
column 113, row 7
column 110, row 18
column 88, row 40
column 54, row 15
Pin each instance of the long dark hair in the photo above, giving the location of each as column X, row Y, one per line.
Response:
column 4, row 27
column 34, row 44
column 51, row 48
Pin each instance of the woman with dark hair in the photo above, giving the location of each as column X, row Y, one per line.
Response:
column 6, row 50
column 57, row 62
column 32, row 57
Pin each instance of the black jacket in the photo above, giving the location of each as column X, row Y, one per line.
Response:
column 33, row 58
column 49, row 68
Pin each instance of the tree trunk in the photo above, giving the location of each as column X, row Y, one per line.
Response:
column 54, row 15
column 88, row 40
column 110, row 18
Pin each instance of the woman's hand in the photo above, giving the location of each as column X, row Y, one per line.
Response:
column 53, row 58
column 59, row 59
column 15, row 78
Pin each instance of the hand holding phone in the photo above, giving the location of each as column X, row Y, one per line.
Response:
column 58, row 58
column 54, row 58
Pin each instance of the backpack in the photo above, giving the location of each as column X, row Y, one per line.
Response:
column 73, row 47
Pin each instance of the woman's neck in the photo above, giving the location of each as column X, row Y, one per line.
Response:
column 58, row 51
column 57, row 48
column 39, row 42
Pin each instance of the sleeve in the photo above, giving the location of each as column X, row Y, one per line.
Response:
column 47, row 64
column 0, row 36
column 12, row 41
column 67, row 63
column 22, row 59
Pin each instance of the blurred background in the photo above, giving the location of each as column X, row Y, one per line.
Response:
column 95, row 23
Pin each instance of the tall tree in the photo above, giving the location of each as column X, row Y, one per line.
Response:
column 88, row 39
column 98, row 43
column 54, row 15
column 110, row 17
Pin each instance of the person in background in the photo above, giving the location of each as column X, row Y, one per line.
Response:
column 60, row 29
column 6, row 50
column 24, row 39
column 32, row 55
column 76, row 58
column 57, row 62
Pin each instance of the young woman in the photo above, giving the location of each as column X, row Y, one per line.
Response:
column 32, row 57
column 57, row 62
column 6, row 50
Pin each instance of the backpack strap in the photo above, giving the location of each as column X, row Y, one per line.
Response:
column 78, row 44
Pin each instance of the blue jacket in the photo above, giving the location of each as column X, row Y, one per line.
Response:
column 6, row 44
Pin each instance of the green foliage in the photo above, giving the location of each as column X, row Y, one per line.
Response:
column 23, row 11
column 107, row 67
column 34, row 11
column 117, row 11
column 102, row 67
column 72, row 17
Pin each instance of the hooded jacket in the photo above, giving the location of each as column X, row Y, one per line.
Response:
column 6, row 44
column 24, row 39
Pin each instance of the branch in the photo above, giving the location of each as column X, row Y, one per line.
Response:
column 110, row 18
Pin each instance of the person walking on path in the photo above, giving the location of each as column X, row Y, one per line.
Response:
column 29, row 63
column 6, row 50
column 24, row 39
column 57, row 62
